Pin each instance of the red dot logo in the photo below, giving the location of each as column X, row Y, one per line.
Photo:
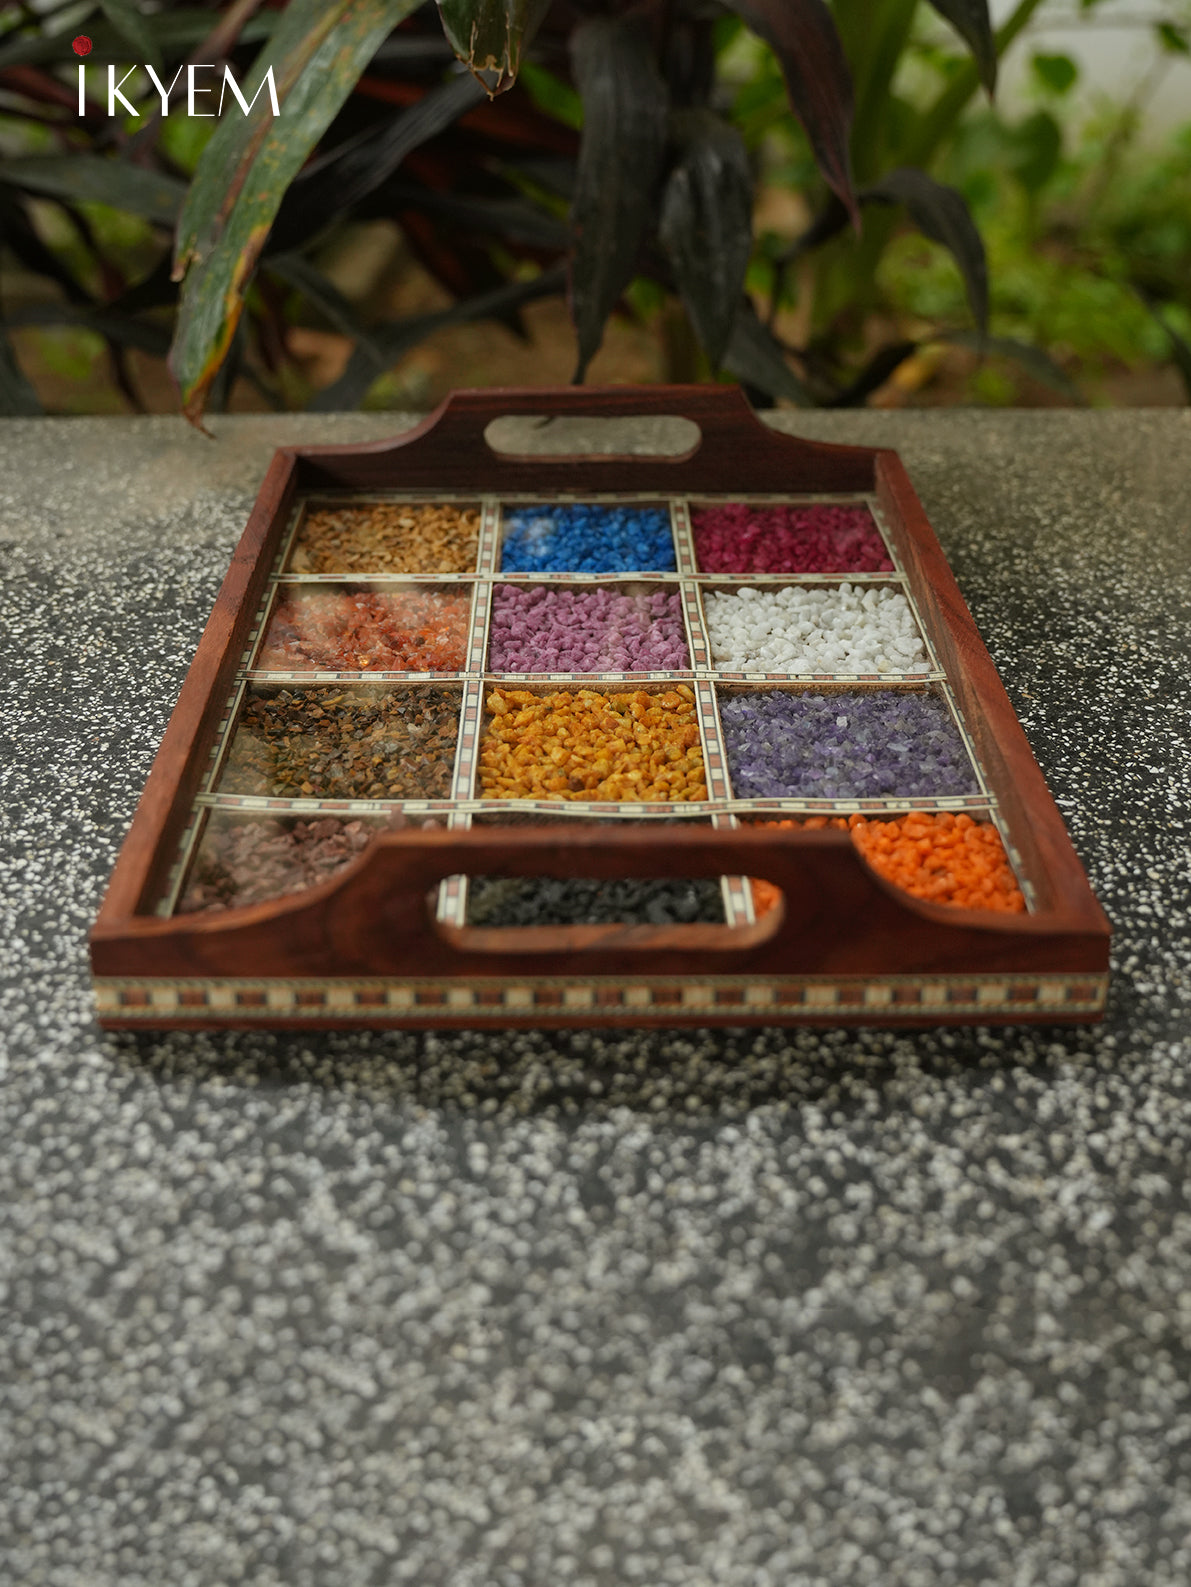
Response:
column 81, row 45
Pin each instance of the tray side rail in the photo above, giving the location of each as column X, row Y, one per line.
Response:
column 1008, row 762
column 183, row 755
column 837, row 916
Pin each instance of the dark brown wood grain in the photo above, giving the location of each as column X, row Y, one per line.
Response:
column 838, row 917
column 449, row 446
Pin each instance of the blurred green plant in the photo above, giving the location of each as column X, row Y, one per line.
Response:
column 618, row 164
column 1088, row 227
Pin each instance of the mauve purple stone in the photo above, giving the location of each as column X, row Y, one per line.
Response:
column 536, row 628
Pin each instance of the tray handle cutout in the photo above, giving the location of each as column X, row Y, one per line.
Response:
column 526, row 436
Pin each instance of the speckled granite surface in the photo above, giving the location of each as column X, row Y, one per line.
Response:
column 733, row 1310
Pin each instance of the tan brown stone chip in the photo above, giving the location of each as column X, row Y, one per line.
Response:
column 388, row 537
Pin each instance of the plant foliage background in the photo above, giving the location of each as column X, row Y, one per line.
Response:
column 822, row 200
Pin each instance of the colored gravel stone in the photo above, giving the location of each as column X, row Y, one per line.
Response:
column 594, row 745
column 948, row 859
column 539, row 629
column 738, row 537
column 581, row 901
column 332, row 743
column 251, row 859
column 880, row 743
column 587, row 539
column 796, row 629
column 412, row 630
column 388, row 537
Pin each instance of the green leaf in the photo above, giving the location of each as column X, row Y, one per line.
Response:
column 620, row 159
column 707, row 224
column 490, row 36
column 18, row 234
column 934, row 125
column 551, row 94
column 1173, row 38
column 803, row 36
column 100, row 180
column 114, row 327
column 971, row 21
column 1035, row 146
column 17, row 397
column 320, row 51
column 755, row 356
column 1056, row 73
column 941, row 214
column 130, row 25
column 223, row 168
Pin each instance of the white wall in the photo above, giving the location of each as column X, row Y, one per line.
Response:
column 1113, row 52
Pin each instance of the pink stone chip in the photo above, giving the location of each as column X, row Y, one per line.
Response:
column 739, row 537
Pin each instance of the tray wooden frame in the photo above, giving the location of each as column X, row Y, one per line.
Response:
column 363, row 949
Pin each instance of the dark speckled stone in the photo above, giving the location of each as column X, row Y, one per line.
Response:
column 746, row 1309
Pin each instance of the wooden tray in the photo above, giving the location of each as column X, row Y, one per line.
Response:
column 372, row 947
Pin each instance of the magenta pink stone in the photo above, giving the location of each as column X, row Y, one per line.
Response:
column 737, row 537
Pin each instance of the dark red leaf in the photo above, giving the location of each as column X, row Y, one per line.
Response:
column 707, row 224
column 971, row 21
column 755, row 356
column 941, row 214
column 884, row 362
column 802, row 34
column 1036, row 361
column 620, row 161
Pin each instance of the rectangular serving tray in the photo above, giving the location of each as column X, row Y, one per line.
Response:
column 371, row 947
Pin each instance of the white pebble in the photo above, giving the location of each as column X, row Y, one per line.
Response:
column 795, row 629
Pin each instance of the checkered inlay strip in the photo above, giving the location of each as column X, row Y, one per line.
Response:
column 806, row 997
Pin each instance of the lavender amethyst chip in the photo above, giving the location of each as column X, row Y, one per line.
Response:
column 883, row 743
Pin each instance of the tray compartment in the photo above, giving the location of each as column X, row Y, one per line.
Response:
column 526, row 901
column 344, row 741
column 351, row 628
column 840, row 743
column 839, row 537
column 943, row 857
column 586, row 537
column 588, row 901
column 387, row 537
column 791, row 630
column 244, row 859
column 596, row 745
column 558, row 628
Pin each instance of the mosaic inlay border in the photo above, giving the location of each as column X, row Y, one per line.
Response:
column 794, row 997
